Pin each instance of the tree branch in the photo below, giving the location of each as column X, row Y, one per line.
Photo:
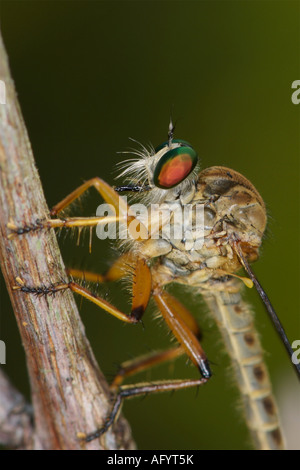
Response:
column 69, row 393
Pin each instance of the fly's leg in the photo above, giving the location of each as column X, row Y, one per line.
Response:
column 131, row 391
column 148, row 361
column 141, row 291
column 184, row 328
column 110, row 196
column 142, row 363
column 117, row 271
column 140, row 295
column 106, row 191
column 129, row 368
column 174, row 315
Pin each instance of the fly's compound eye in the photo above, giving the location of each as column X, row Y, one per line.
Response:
column 174, row 166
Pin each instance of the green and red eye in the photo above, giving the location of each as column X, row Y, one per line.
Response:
column 175, row 165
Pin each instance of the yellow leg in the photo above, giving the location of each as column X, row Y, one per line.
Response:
column 175, row 315
column 147, row 361
column 144, row 362
column 118, row 270
column 110, row 196
column 106, row 191
column 140, row 296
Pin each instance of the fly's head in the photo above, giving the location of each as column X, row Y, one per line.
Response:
column 165, row 172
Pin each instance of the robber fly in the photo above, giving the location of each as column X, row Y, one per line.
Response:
column 207, row 260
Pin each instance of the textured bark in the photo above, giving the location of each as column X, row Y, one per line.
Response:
column 69, row 393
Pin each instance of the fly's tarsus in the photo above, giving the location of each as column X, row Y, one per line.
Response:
column 130, row 391
column 41, row 290
column 15, row 230
column 108, row 422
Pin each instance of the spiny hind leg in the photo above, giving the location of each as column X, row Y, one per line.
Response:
column 140, row 293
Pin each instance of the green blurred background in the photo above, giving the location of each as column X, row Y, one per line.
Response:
column 90, row 74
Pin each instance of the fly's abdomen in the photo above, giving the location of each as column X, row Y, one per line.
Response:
column 235, row 321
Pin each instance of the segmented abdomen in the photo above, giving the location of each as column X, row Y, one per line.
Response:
column 235, row 321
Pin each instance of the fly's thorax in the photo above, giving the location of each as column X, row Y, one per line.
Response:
column 235, row 205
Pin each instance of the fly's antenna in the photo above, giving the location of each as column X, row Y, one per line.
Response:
column 171, row 132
